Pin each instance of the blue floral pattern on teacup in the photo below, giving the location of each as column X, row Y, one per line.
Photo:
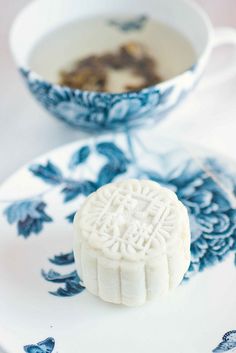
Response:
column 129, row 25
column 98, row 110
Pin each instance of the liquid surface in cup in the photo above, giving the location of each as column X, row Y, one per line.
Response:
column 61, row 48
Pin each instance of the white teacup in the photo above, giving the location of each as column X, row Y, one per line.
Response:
column 101, row 110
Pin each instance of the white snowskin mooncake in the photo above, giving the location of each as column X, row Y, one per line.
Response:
column 132, row 242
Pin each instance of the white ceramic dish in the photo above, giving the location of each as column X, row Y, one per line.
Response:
column 39, row 200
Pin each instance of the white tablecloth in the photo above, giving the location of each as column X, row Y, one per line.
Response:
column 208, row 117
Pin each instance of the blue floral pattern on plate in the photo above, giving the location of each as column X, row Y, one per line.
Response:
column 228, row 343
column 212, row 217
column 29, row 215
column 72, row 282
column 63, row 259
column 46, row 346
column 57, row 184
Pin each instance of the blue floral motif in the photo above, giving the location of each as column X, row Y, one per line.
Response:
column 75, row 188
column 46, row 346
column 70, row 217
column 107, row 174
column 223, row 175
column 72, row 287
column 79, row 157
column 227, row 344
column 113, row 153
column 71, row 281
column 55, row 277
column 49, row 173
column 117, row 162
column 212, row 218
column 99, row 110
column 29, row 215
column 63, row 259
column 135, row 24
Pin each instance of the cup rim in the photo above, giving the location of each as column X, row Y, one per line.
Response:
column 201, row 59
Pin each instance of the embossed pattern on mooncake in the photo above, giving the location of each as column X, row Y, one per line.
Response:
column 132, row 234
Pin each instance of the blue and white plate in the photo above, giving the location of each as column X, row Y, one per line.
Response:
column 44, row 307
